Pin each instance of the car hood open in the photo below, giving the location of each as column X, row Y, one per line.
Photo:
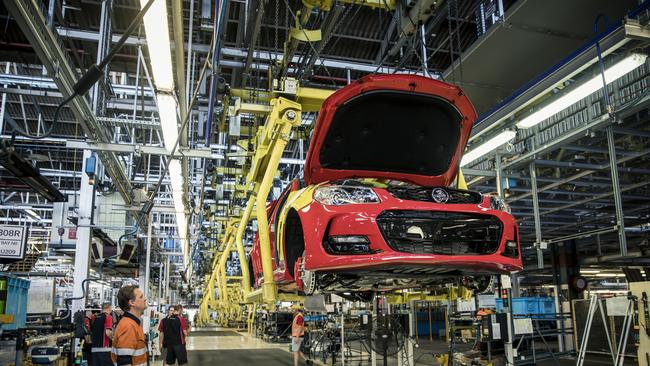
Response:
column 402, row 127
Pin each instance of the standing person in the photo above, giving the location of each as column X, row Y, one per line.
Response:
column 129, row 342
column 184, row 322
column 101, row 332
column 87, row 346
column 297, row 333
column 162, row 343
column 172, row 337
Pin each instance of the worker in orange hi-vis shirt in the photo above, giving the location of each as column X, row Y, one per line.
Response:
column 129, row 342
column 297, row 334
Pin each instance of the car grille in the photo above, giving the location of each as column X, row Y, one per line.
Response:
column 440, row 232
column 425, row 194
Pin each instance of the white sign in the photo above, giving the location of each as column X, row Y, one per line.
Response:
column 12, row 242
column 496, row 331
column 617, row 306
column 466, row 305
column 40, row 297
column 524, row 326
column 487, row 301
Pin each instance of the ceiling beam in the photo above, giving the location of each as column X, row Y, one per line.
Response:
column 47, row 46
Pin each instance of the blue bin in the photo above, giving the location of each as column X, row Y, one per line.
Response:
column 17, row 289
column 531, row 307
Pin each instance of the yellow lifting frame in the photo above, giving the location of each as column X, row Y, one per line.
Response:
column 310, row 99
column 271, row 141
column 214, row 280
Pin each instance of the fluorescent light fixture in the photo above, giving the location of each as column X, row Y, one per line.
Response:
column 589, row 271
column 594, row 84
column 33, row 214
column 610, row 275
column 176, row 178
column 160, row 54
column 167, row 105
column 608, row 291
column 157, row 31
column 488, row 146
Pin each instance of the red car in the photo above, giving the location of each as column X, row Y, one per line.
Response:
column 375, row 210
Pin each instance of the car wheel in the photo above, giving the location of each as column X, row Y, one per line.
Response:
column 308, row 278
column 482, row 284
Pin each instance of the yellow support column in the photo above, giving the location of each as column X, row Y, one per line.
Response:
column 285, row 114
column 241, row 252
column 221, row 271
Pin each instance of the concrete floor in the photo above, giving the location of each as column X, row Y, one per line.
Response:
column 216, row 346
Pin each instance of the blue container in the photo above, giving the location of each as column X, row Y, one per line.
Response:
column 531, row 307
column 437, row 323
column 17, row 289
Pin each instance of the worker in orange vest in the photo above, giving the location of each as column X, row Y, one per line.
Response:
column 129, row 342
column 297, row 334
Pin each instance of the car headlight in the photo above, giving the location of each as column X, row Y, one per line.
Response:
column 345, row 195
column 498, row 203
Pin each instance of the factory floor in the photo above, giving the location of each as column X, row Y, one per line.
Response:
column 215, row 346
column 218, row 346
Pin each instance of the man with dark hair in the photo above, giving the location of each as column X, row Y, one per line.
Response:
column 129, row 343
column 172, row 337
column 163, row 345
column 101, row 332
column 185, row 324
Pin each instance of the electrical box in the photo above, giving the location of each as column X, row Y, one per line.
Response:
column 498, row 327
column 40, row 296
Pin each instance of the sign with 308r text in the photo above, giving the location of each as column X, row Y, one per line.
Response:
column 12, row 242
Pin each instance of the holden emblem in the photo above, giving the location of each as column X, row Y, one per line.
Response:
column 439, row 195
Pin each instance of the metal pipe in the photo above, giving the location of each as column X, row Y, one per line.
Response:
column 177, row 21
column 160, row 285
column 620, row 221
column 219, row 13
column 499, row 172
column 538, row 225
column 423, row 44
column 570, row 164
column 634, row 255
column 147, row 270
column 188, row 81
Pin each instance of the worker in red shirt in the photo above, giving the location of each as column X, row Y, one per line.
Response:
column 101, row 333
column 184, row 322
column 172, row 337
